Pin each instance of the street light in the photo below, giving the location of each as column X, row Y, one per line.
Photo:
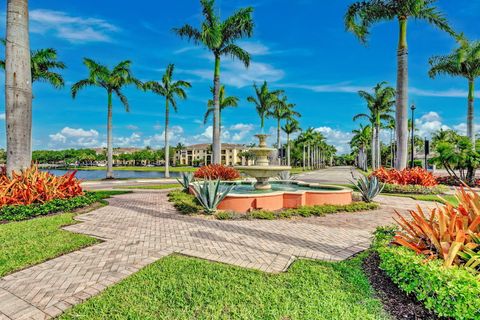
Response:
column 412, row 154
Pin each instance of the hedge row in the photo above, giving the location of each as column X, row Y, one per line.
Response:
column 413, row 189
column 22, row 212
column 450, row 292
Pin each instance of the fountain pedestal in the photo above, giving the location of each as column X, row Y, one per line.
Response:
column 262, row 170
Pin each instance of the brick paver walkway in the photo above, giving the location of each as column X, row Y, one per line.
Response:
column 142, row 227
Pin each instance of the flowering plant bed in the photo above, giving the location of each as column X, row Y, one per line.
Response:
column 452, row 181
column 217, row 172
column 413, row 189
column 34, row 186
column 415, row 176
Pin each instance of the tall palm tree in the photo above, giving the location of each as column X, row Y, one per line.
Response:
column 290, row 127
column 281, row 110
column 463, row 62
column 43, row 62
column 361, row 140
column 113, row 81
column 225, row 102
column 219, row 37
column 390, row 125
column 18, row 87
column 380, row 105
column 263, row 101
column 169, row 89
column 362, row 15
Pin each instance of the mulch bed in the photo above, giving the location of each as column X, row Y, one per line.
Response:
column 396, row 302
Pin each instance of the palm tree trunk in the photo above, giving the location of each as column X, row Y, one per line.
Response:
column 470, row 113
column 18, row 87
column 278, row 141
column 167, row 150
column 309, row 158
column 378, row 155
column 288, row 150
column 373, row 151
column 109, row 138
column 216, row 144
column 303, row 158
column 401, row 115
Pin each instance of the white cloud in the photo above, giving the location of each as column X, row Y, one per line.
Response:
column 428, row 124
column 2, row 116
column 130, row 141
column 345, row 87
column 255, row 48
column 235, row 74
column 74, row 138
column 340, row 139
column 69, row 27
column 449, row 93
column 175, row 135
column 132, row 127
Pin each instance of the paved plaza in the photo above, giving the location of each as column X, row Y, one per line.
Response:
column 142, row 227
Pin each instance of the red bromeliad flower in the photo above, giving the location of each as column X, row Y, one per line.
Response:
column 415, row 176
column 217, row 171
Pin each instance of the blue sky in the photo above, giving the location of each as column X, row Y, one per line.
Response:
column 299, row 46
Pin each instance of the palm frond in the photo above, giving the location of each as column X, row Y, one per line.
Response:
column 236, row 52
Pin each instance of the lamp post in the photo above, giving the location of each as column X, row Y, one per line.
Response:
column 412, row 154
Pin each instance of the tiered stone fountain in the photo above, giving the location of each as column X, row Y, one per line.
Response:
column 262, row 171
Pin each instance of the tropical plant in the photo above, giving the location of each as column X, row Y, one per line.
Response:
column 113, row 82
column 359, row 18
column 445, row 232
column 369, row 187
column 217, row 171
column 170, row 90
column 42, row 63
column 225, row 102
column 18, row 88
column 282, row 110
column 414, row 176
column 263, row 101
column 463, row 62
column 185, row 180
column 34, row 186
column 220, row 38
column 361, row 140
column 210, row 193
column 458, row 156
column 290, row 127
column 380, row 105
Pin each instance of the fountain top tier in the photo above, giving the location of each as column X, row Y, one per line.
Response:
column 262, row 170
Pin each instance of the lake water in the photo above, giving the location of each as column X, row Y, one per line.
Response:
column 120, row 174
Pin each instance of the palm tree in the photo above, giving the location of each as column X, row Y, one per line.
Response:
column 281, row 110
column 113, row 81
column 219, row 37
column 380, row 105
column 463, row 62
column 361, row 140
column 289, row 128
column 18, row 87
column 42, row 63
column 225, row 102
column 263, row 101
column 362, row 15
column 390, row 125
column 169, row 89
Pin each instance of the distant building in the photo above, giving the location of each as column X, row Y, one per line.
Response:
column 201, row 154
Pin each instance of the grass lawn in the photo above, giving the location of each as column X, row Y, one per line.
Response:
column 29, row 242
column 154, row 187
column 155, row 169
column 427, row 197
column 33, row 241
column 178, row 287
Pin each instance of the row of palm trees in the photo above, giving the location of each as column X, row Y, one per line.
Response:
column 462, row 62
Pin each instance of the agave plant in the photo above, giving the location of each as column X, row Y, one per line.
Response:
column 369, row 187
column 209, row 193
column 186, row 179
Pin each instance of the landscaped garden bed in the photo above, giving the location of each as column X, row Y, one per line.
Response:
column 187, row 204
column 434, row 256
column 409, row 181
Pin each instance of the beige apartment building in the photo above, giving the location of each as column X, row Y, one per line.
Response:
column 201, row 154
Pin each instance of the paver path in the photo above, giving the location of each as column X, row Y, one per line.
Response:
column 141, row 227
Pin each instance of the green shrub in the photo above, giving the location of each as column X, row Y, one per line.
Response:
column 184, row 202
column 414, row 189
column 22, row 212
column 262, row 215
column 224, row 215
column 449, row 292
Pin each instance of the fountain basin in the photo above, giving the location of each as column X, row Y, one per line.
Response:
column 262, row 173
column 283, row 195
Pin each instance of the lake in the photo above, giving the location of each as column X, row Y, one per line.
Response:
column 120, row 174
